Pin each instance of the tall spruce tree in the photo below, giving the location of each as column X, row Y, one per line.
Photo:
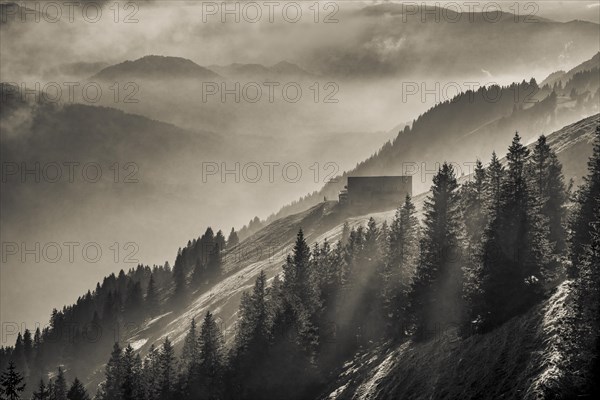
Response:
column 493, row 184
column 112, row 386
column 11, row 383
column 436, row 288
column 18, row 354
column 549, row 192
column 515, row 246
column 38, row 357
column 301, row 294
column 189, row 353
column 131, row 386
column 252, row 342
column 28, row 348
column 253, row 334
column 60, row 386
column 401, row 261
column 206, row 377
column 168, row 371
column 295, row 337
column 152, row 374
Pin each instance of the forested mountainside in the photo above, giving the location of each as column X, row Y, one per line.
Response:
column 420, row 185
column 468, row 126
column 564, row 77
column 151, row 309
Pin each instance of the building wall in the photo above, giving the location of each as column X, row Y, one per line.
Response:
column 378, row 192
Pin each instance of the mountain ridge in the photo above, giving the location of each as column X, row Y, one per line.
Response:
column 153, row 66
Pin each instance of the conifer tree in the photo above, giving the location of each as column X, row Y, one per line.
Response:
column 515, row 246
column 369, row 276
column 300, row 291
column 220, row 241
column 18, row 354
column 401, row 260
column 112, row 386
column 233, row 239
column 253, row 333
column 295, row 337
column 38, row 358
column 11, row 383
column 179, row 279
column 152, row 302
column 152, row 374
column 28, row 348
column 549, row 192
column 585, row 225
column 493, row 184
column 77, row 391
column 60, row 386
column 134, row 300
column 437, row 283
column 555, row 206
column 131, row 386
column 473, row 207
column 168, row 372
column 42, row 392
column 213, row 267
column 252, row 341
column 189, row 354
column 199, row 273
column 206, row 376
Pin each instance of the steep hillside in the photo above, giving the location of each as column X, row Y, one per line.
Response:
column 266, row 250
column 524, row 358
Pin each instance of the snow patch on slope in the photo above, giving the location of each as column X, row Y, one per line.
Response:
column 138, row 344
column 554, row 356
column 368, row 390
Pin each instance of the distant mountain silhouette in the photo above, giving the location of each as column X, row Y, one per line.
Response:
column 288, row 68
column 163, row 67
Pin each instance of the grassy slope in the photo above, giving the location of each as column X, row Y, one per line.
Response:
column 523, row 358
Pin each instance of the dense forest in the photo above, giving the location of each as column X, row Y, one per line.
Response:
column 484, row 252
column 118, row 305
